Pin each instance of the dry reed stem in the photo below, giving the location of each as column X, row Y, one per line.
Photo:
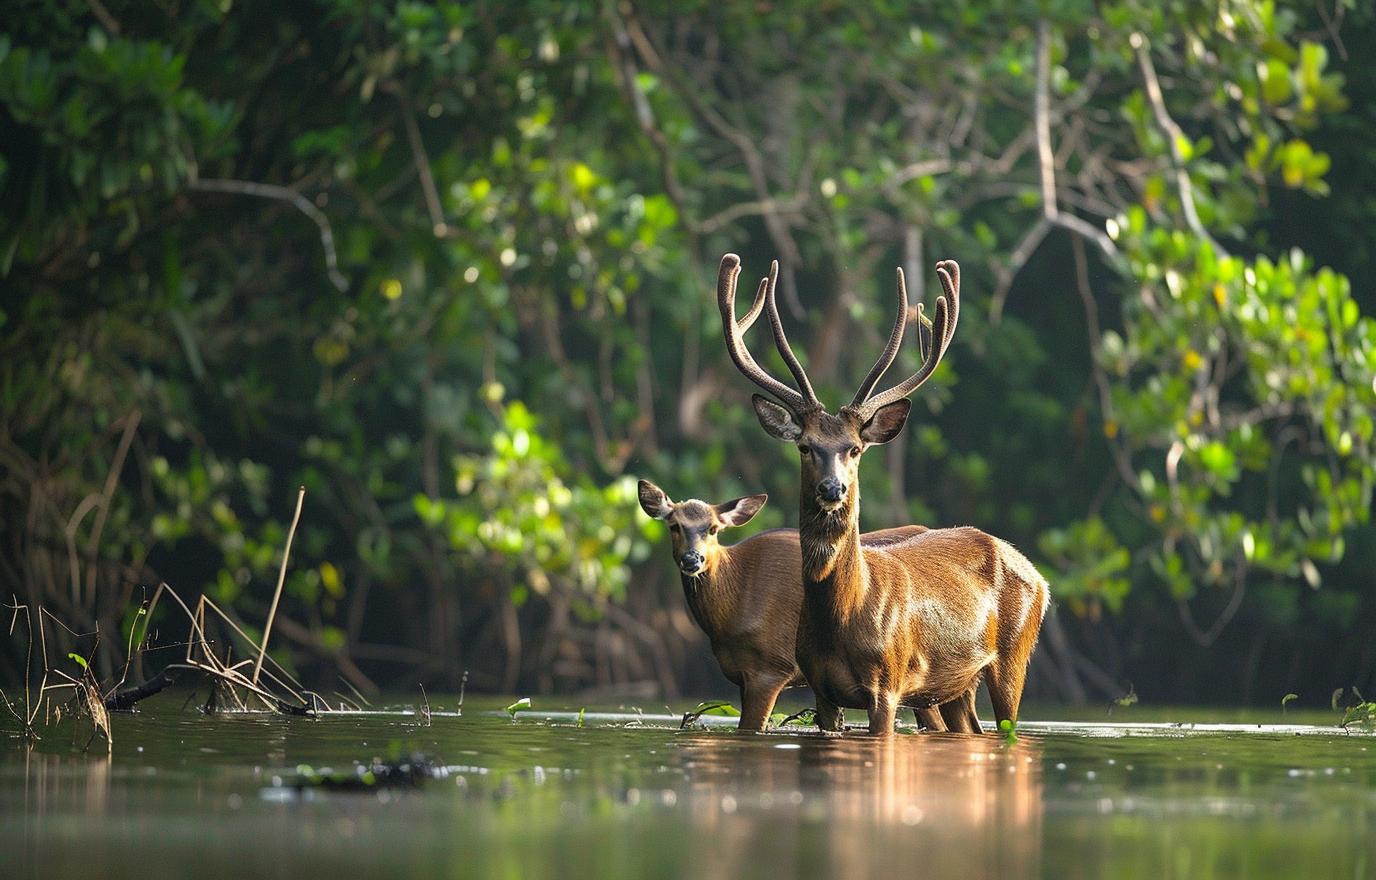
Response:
column 201, row 657
column 230, row 680
column 281, row 579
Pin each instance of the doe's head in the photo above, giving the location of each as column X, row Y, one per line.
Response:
column 693, row 524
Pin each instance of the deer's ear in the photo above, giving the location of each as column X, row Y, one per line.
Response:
column 886, row 422
column 653, row 500
column 776, row 421
column 740, row 511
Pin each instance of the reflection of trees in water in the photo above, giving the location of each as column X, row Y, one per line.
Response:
column 951, row 806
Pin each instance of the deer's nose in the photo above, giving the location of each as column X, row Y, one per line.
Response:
column 691, row 563
column 830, row 490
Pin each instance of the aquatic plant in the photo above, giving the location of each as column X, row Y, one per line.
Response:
column 1361, row 714
column 713, row 707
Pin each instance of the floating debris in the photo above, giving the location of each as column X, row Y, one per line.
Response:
column 410, row 772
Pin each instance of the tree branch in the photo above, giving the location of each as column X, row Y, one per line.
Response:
column 775, row 225
column 131, row 424
column 103, row 15
column 1205, row 638
column 282, row 193
column 1046, row 170
column 1041, row 114
column 422, row 160
column 620, row 49
column 1120, row 454
column 1174, row 135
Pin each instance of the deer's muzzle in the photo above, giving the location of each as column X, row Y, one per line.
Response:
column 691, row 563
column 830, row 492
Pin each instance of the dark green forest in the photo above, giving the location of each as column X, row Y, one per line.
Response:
column 450, row 267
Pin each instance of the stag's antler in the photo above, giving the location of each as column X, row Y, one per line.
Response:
column 934, row 337
column 797, row 401
column 943, row 328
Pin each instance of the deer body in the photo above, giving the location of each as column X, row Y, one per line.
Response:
column 749, row 623
column 915, row 642
column 747, row 597
column 917, row 623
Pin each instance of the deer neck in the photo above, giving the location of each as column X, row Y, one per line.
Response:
column 833, row 566
column 712, row 594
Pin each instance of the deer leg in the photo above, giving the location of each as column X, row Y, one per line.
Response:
column 1005, row 682
column 830, row 717
column 758, row 695
column 930, row 718
column 1007, row 675
column 882, row 715
column 959, row 714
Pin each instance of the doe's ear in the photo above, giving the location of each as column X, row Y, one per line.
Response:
column 740, row 511
column 653, row 500
column 776, row 421
column 886, row 422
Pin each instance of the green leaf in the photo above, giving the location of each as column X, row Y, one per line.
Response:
column 1276, row 87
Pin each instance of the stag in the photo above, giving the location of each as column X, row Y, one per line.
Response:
column 747, row 596
column 916, row 623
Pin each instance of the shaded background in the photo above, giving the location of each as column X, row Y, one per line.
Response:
column 449, row 267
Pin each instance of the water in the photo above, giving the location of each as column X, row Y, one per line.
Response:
column 185, row 795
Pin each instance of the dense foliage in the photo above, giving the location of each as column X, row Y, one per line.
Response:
column 448, row 266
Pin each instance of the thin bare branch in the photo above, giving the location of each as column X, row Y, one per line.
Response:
column 1046, row 168
column 727, row 216
column 282, row 193
column 620, row 50
column 103, row 15
column 1041, row 113
column 755, row 165
column 928, row 168
column 1101, row 381
column 421, row 159
column 1174, row 136
column 1016, row 260
column 1205, row 638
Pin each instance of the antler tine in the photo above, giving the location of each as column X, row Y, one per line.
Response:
column 949, row 273
column 756, row 307
column 735, row 346
column 943, row 329
column 781, row 342
column 924, row 333
column 891, row 350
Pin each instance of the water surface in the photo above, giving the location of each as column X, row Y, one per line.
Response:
column 626, row 795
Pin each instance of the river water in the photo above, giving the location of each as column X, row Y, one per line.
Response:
column 625, row 794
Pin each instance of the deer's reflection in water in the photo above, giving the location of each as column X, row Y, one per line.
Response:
column 952, row 805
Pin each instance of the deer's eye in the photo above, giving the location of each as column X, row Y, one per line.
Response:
column 673, row 527
column 712, row 530
column 804, row 449
column 855, row 452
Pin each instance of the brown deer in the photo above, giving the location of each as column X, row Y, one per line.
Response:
column 915, row 623
column 747, row 596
